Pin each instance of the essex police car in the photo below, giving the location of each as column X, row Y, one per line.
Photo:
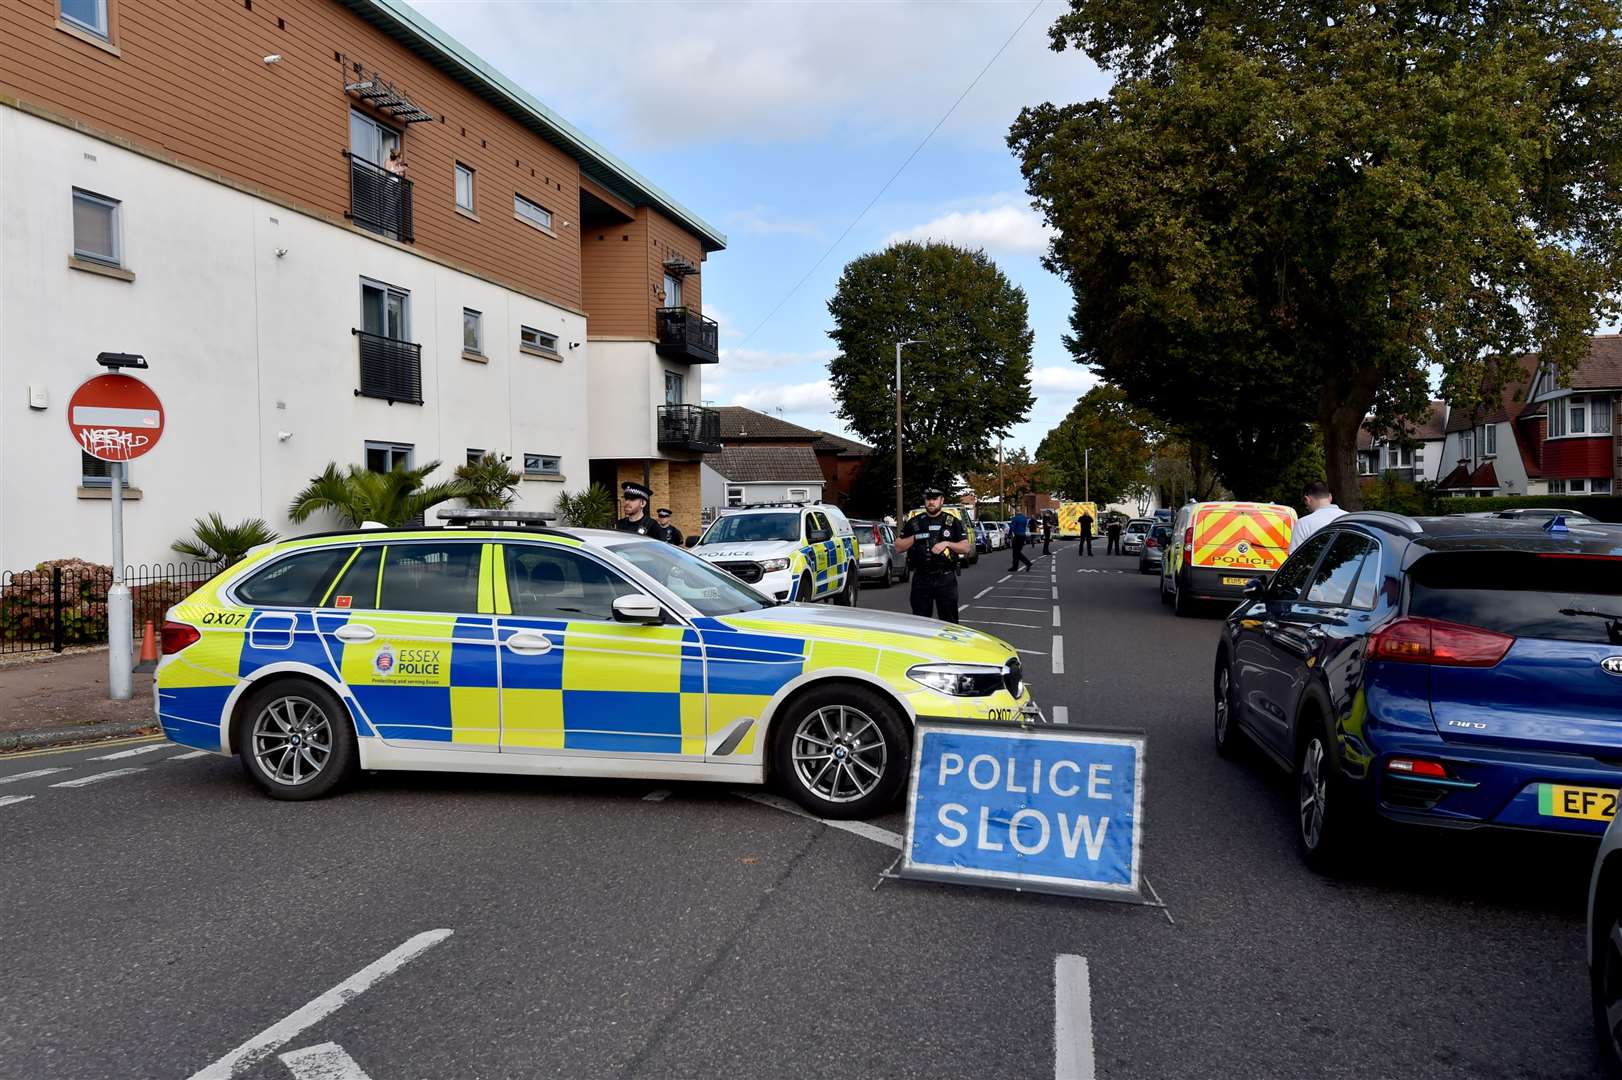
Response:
column 787, row 551
column 556, row 652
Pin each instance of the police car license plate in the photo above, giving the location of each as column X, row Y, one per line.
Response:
column 1234, row 580
column 1589, row 804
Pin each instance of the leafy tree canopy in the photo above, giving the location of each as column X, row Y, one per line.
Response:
column 1018, row 476
column 1101, row 450
column 967, row 380
column 1292, row 214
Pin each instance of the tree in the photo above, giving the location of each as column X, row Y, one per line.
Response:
column 589, row 508
column 488, row 483
column 1101, row 450
column 1285, row 214
column 1180, row 469
column 358, row 495
column 1019, row 476
column 213, row 541
column 968, row 380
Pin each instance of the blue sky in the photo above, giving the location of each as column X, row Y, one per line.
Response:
column 777, row 122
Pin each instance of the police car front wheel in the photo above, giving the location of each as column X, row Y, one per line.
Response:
column 842, row 752
column 296, row 740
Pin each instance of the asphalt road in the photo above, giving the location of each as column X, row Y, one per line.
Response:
column 154, row 923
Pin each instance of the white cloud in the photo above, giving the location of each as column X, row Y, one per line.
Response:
column 1006, row 229
column 771, row 359
column 1072, row 379
column 756, row 221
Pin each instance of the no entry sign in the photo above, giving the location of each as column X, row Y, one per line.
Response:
column 115, row 417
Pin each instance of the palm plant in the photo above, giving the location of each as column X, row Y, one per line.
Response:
column 591, row 508
column 488, row 483
column 357, row 495
column 213, row 541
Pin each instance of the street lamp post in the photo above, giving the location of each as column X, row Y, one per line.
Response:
column 1087, row 474
column 900, row 506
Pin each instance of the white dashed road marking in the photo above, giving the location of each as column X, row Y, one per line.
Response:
column 983, row 591
column 325, row 1062
column 133, row 752
column 30, row 775
column 1004, row 578
column 1072, row 1019
column 855, row 828
column 988, row 622
column 1055, row 593
column 97, row 777
column 1055, row 614
column 1061, row 714
column 1058, row 655
column 12, row 800
column 988, row 607
column 188, row 757
column 277, row 1035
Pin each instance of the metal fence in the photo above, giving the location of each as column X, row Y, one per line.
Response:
column 57, row 605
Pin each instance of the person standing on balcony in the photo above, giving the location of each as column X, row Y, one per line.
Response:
column 395, row 164
column 634, row 498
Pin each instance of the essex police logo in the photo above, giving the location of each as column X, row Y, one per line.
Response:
column 383, row 662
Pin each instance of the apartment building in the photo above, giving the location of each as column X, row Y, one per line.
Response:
column 336, row 235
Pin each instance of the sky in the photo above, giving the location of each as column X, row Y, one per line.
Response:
column 778, row 122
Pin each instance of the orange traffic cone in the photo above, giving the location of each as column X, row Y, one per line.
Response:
column 149, row 645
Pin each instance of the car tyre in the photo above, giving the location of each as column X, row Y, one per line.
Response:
column 847, row 596
column 1225, row 714
column 868, row 752
column 1322, row 803
column 804, row 594
column 1605, row 976
column 1165, row 597
column 1181, row 605
column 296, row 740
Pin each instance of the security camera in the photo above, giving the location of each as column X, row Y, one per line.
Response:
column 574, row 344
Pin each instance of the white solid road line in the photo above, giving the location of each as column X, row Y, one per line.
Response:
column 659, row 795
column 268, row 1041
column 1058, row 654
column 1061, row 714
column 855, row 828
column 983, row 591
column 1055, row 614
column 11, row 800
column 988, row 622
column 188, row 757
column 1004, row 578
column 134, row 752
column 1072, row 1019
column 31, row 775
column 325, row 1062
column 988, row 607
column 97, row 778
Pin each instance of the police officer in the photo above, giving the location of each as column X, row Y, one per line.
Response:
column 634, row 497
column 672, row 534
column 933, row 542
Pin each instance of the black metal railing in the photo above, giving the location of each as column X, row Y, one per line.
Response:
column 686, row 335
column 689, row 427
column 63, row 603
column 389, row 368
column 379, row 200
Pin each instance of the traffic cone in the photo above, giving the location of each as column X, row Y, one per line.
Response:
column 149, row 649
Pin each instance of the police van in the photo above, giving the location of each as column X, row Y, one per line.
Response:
column 788, row 551
column 1216, row 547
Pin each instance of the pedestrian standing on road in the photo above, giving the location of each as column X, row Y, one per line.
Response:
column 672, row 535
column 1113, row 529
column 634, row 498
column 1019, row 531
column 1047, row 535
column 933, row 541
column 1085, row 523
column 1321, row 510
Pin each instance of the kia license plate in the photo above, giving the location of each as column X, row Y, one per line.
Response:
column 1589, row 804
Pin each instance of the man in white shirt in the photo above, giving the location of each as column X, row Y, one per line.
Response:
column 1321, row 510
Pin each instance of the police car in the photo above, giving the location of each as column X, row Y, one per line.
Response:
column 787, row 551
column 541, row 651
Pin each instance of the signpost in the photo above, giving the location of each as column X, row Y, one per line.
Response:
column 116, row 418
column 1034, row 808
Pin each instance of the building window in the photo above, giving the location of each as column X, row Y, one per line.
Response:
column 1576, row 417
column 1467, row 446
column 536, row 215
column 542, row 465
column 96, row 473
column 473, row 455
column 1600, row 413
column 534, row 340
column 1576, row 487
column 472, row 332
column 797, row 494
column 674, row 387
column 88, row 15
column 95, row 228
column 734, row 496
column 464, row 187
column 384, row 457
column 1600, row 487
column 1489, row 440
column 1557, row 418
column 672, row 291
column 371, row 141
column 385, row 311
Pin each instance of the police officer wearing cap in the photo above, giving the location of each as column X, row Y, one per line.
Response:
column 634, row 497
column 933, row 542
column 672, row 535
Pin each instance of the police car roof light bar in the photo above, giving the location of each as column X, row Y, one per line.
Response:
column 471, row 516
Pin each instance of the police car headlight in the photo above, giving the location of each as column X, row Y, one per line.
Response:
column 768, row 566
column 959, row 680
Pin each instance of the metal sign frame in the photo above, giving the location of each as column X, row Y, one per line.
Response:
column 905, row 869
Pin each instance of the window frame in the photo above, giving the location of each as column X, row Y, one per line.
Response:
column 390, row 548
column 388, row 291
column 512, row 550
column 736, row 491
column 115, row 228
column 474, row 455
column 383, row 130
column 679, row 381
column 533, row 221
column 458, row 170
column 1489, row 441
column 1373, row 550
column 389, row 447
column 350, row 546
column 541, row 473
column 477, row 348
column 672, row 288
column 86, row 480
column 540, row 350
column 103, row 8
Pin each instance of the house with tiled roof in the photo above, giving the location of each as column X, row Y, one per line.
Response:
column 784, row 462
column 1496, row 448
column 1581, row 449
column 1412, row 455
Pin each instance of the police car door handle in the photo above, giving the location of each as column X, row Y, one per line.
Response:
column 527, row 644
column 351, row 632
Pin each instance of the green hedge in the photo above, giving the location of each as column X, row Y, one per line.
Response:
column 1598, row 507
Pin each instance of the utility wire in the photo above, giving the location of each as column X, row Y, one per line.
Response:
column 893, row 176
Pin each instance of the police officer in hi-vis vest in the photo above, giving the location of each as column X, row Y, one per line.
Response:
column 933, row 542
column 634, row 497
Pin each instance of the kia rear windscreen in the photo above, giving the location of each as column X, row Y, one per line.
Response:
column 1555, row 597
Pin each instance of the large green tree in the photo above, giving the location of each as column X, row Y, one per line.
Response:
column 968, row 378
column 1101, row 449
column 1291, row 214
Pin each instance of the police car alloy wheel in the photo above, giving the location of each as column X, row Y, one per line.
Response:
column 841, row 752
column 296, row 740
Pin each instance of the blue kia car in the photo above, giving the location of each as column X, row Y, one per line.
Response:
column 1454, row 672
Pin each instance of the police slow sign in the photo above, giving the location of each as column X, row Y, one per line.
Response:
column 1046, row 809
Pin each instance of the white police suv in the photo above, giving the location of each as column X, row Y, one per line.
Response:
column 788, row 551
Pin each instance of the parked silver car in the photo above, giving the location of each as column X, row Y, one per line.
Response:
column 1153, row 550
column 1132, row 536
column 879, row 561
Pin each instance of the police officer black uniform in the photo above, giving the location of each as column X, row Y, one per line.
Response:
column 934, row 573
column 635, row 498
column 672, row 534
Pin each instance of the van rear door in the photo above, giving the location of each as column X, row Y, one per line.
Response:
column 1246, row 538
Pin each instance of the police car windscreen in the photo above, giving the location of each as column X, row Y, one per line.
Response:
column 711, row 591
column 752, row 528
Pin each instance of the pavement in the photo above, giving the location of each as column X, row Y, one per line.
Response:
column 48, row 699
column 164, row 919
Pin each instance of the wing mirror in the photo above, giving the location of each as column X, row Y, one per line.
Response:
column 818, row 536
column 1255, row 587
column 692, row 541
column 638, row 608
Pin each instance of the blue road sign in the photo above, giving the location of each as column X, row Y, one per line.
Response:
column 1045, row 809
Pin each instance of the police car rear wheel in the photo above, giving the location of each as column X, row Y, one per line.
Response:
column 296, row 741
column 842, row 753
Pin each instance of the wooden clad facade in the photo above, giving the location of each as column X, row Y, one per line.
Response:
column 623, row 272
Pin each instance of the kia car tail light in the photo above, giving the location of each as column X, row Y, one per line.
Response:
column 1412, row 640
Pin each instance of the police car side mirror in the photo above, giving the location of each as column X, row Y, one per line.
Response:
column 638, row 608
column 818, row 536
column 692, row 541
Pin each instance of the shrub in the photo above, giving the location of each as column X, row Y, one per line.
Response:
column 26, row 606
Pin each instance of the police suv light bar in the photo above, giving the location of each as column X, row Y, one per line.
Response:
column 465, row 516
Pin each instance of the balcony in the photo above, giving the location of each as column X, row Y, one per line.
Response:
column 689, row 427
column 390, row 369
column 379, row 200
column 687, row 335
